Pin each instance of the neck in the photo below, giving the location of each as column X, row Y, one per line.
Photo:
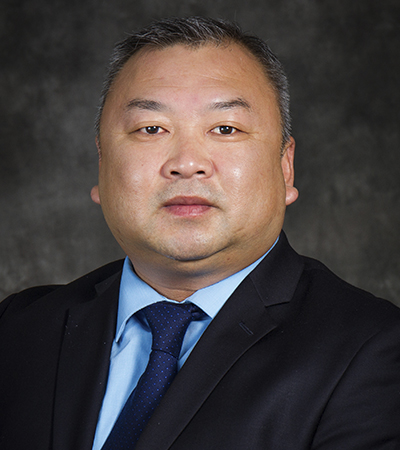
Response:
column 178, row 280
column 177, row 286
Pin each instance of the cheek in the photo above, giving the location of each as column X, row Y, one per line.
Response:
column 255, row 187
column 245, row 174
column 129, row 174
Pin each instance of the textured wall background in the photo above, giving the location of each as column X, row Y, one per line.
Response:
column 343, row 61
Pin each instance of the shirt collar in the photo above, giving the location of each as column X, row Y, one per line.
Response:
column 135, row 294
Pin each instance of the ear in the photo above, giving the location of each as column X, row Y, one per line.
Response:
column 94, row 193
column 287, row 164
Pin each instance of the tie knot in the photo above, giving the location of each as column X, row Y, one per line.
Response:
column 168, row 323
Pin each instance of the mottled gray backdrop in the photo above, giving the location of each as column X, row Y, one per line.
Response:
column 343, row 62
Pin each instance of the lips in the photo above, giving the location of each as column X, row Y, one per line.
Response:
column 188, row 206
column 182, row 200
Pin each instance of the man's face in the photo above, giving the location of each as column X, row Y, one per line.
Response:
column 190, row 171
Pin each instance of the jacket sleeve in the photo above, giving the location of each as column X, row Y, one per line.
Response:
column 364, row 409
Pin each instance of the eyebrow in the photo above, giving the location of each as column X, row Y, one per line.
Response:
column 149, row 105
column 152, row 105
column 236, row 103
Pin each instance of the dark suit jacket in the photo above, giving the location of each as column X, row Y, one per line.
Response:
column 296, row 359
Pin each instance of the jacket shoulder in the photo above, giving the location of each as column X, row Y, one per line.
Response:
column 340, row 300
column 82, row 288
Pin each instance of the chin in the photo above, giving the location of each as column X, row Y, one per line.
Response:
column 187, row 257
column 188, row 252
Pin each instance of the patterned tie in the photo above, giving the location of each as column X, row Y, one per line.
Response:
column 168, row 323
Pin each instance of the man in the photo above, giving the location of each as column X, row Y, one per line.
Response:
column 195, row 172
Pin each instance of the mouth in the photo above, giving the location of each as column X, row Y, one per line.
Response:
column 188, row 206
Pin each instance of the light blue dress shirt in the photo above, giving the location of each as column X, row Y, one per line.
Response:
column 132, row 344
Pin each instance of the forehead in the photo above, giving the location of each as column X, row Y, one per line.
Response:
column 225, row 67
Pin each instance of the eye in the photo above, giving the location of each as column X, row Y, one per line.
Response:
column 152, row 129
column 224, row 129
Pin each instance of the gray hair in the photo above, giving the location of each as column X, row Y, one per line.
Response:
column 194, row 32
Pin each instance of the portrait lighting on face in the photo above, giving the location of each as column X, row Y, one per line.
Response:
column 191, row 167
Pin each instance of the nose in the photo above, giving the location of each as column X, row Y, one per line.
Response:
column 187, row 161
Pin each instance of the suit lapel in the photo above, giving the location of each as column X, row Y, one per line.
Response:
column 83, row 368
column 242, row 322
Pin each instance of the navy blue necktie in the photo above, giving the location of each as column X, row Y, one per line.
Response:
column 168, row 323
